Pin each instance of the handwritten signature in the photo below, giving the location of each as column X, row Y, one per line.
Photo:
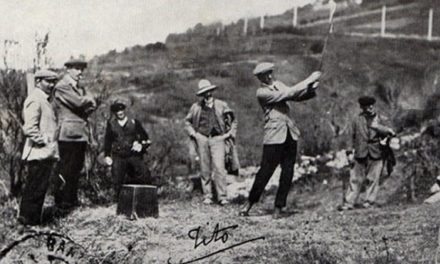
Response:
column 219, row 234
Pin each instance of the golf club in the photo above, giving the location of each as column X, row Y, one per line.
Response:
column 332, row 6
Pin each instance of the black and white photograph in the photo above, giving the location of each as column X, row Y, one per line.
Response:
column 219, row 131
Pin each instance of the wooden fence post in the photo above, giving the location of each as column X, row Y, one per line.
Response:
column 383, row 24
column 295, row 16
column 431, row 15
column 245, row 26
column 262, row 22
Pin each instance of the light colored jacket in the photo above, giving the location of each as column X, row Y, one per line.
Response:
column 192, row 119
column 273, row 99
column 366, row 134
column 73, row 106
column 40, row 128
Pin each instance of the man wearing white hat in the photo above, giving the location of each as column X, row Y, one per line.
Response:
column 205, row 124
column 280, row 133
column 41, row 147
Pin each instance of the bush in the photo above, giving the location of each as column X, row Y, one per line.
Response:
column 12, row 96
column 317, row 47
column 284, row 29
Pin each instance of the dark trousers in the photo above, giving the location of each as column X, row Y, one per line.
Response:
column 32, row 200
column 129, row 170
column 72, row 155
column 283, row 154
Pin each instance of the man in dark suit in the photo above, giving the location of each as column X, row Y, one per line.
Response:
column 73, row 106
column 125, row 143
column 280, row 133
column 367, row 132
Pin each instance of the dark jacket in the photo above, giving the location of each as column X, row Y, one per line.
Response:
column 73, row 106
column 118, row 139
column 221, row 109
column 366, row 134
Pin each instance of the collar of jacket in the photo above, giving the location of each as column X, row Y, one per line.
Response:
column 216, row 108
column 70, row 80
column 271, row 86
column 275, row 86
column 41, row 93
column 202, row 102
column 368, row 116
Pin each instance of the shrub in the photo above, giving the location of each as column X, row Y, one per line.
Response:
column 317, row 47
column 12, row 96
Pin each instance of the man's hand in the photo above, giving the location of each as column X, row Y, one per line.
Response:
column 227, row 135
column 137, row 147
column 391, row 132
column 108, row 161
column 350, row 156
column 314, row 85
column 146, row 143
column 195, row 136
column 314, row 77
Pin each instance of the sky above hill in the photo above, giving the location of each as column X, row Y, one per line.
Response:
column 93, row 27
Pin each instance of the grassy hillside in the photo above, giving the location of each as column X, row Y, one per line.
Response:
column 161, row 81
column 400, row 73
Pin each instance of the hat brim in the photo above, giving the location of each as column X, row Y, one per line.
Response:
column 48, row 78
column 263, row 71
column 76, row 64
column 206, row 89
column 117, row 107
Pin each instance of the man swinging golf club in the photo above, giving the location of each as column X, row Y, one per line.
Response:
column 280, row 133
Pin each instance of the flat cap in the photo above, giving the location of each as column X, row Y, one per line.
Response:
column 366, row 101
column 118, row 105
column 76, row 63
column 46, row 74
column 263, row 67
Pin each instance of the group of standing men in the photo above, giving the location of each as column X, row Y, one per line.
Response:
column 205, row 124
column 59, row 130
column 56, row 129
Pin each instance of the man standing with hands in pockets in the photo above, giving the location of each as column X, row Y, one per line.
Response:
column 280, row 133
column 205, row 124
column 41, row 147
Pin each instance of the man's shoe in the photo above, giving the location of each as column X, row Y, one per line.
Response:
column 224, row 202
column 243, row 213
column 367, row 205
column 244, row 210
column 207, row 201
column 345, row 207
column 277, row 213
